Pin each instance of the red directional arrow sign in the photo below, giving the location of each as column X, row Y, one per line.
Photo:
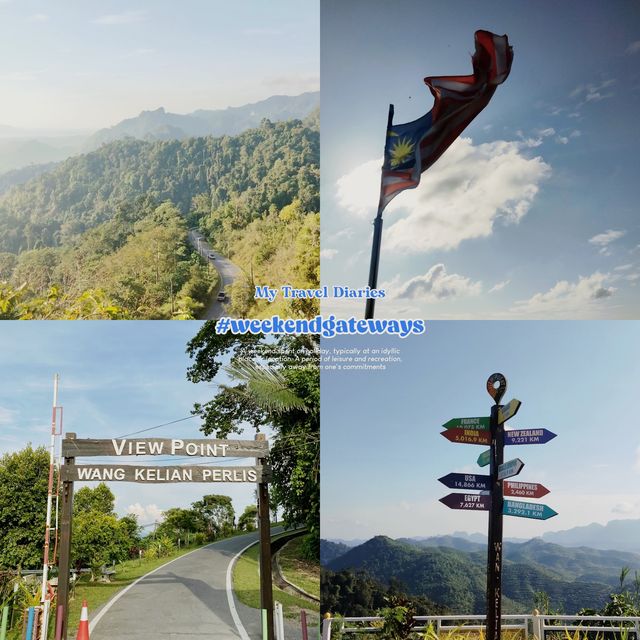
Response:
column 467, row 436
column 524, row 489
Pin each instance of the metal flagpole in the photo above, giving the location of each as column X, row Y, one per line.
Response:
column 44, row 598
column 377, row 241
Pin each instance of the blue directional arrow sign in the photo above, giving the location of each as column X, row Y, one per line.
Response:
column 470, row 481
column 528, row 510
column 528, row 436
column 510, row 469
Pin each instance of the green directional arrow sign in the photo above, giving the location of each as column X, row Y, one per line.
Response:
column 484, row 458
column 467, row 423
column 508, row 410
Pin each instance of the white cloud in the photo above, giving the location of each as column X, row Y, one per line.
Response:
column 436, row 285
column 146, row 514
column 459, row 198
column 562, row 139
column 603, row 240
column 607, row 237
column 623, row 267
column 329, row 254
column 39, row 17
column 575, row 133
column 7, row 416
column 592, row 92
column 546, row 132
column 126, row 17
column 633, row 47
column 499, row 286
column 584, row 298
column 638, row 459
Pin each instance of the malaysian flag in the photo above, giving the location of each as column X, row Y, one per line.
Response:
column 412, row 148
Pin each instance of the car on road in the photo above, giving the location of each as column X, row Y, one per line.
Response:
column 221, row 297
column 211, row 255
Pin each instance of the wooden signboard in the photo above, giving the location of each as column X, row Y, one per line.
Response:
column 205, row 447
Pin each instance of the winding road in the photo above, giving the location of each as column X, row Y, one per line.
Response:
column 189, row 598
column 227, row 271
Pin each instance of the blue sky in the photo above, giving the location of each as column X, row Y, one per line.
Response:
column 115, row 378
column 533, row 213
column 86, row 65
column 382, row 452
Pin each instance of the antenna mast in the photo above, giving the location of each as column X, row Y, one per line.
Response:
column 45, row 598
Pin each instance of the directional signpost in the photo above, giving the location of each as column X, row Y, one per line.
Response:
column 467, row 423
column 527, row 510
column 465, row 481
column 510, row 469
column 524, row 489
column 467, row 436
column 472, row 501
column 528, row 436
column 484, row 458
column 70, row 472
column 494, row 486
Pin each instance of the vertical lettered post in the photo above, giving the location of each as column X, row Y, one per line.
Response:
column 494, row 555
column 266, row 591
column 66, row 516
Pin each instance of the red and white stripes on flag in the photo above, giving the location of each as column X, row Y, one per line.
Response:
column 458, row 100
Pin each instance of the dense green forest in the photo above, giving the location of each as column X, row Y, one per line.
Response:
column 105, row 234
column 358, row 594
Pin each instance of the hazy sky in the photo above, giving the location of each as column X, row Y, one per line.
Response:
column 115, row 378
column 382, row 452
column 77, row 64
column 533, row 213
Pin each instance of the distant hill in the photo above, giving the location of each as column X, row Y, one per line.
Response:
column 162, row 125
column 456, row 579
column 331, row 550
column 16, row 153
column 20, row 176
column 623, row 535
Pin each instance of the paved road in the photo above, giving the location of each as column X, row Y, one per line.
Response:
column 184, row 600
column 227, row 271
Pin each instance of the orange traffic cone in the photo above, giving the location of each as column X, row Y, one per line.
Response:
column 83, row 629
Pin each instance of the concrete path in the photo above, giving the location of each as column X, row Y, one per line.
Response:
column 186, row 599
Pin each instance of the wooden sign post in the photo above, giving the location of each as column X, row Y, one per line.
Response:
column 73, row 447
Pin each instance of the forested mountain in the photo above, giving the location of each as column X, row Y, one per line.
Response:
column 255, row 195
column 457, row 579
column 161, row 125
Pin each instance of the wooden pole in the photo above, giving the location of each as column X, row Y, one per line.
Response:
column 494, row 556
column 266, row 590
column 64, row 565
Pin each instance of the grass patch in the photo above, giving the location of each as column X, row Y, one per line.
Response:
column 297, row 570
column 246, row 585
